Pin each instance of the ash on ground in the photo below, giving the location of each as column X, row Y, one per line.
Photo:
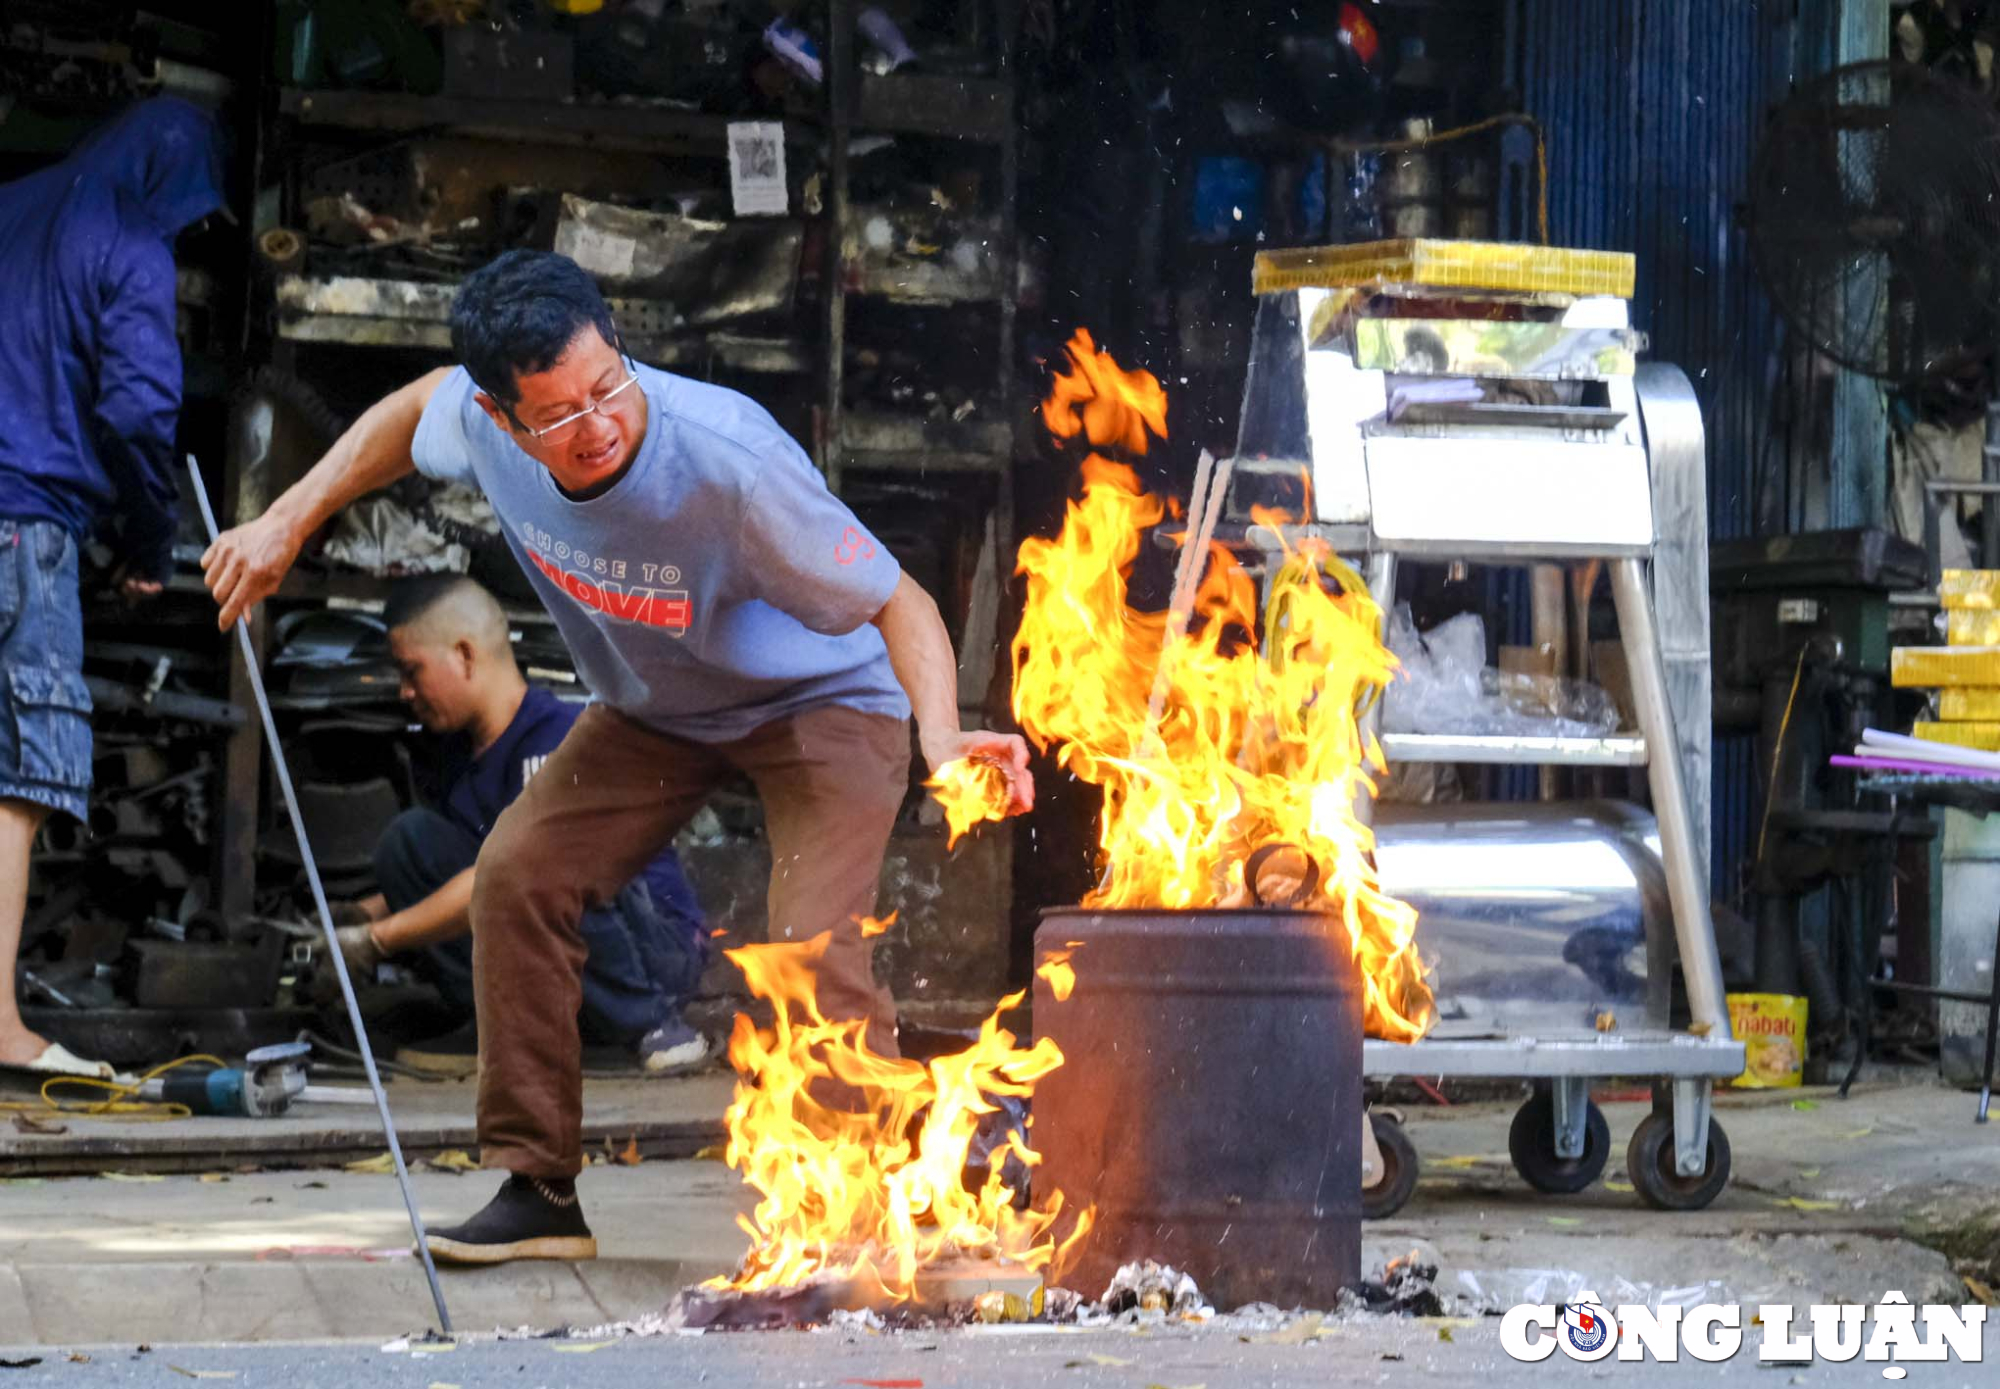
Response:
column 1140, row 1294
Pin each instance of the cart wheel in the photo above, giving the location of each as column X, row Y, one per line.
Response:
column 1531, row 1141
column 1399, row 1170
column 1650, row 1161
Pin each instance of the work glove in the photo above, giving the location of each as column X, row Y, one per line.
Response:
column 359, row 949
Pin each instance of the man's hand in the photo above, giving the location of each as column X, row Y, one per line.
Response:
column 361, row 911
column 358, row 948
column 1007, row 751
column 134, row 590
column 245, row 565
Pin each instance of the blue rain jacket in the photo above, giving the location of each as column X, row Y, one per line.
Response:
column 90, row 372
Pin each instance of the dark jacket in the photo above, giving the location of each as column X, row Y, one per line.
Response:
column 90, row 372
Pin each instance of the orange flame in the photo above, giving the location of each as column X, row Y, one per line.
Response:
column 1056, row 968
column 871, row 926
column 1258, row 739
column 859, row 1157
column 1108, row 405
column 971, row 789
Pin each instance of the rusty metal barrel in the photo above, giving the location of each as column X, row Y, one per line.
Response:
column 1209, row 1102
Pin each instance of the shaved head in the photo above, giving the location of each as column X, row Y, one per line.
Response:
column 446, row 611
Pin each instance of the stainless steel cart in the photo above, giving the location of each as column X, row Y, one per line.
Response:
column 1487, row 406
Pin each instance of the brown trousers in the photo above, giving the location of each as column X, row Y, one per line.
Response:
column 608, row 799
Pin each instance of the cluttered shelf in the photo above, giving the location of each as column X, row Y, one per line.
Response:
column 948, row 107
column 647, row 126
column 359, row 311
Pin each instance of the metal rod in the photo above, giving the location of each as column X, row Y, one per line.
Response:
column 326, row 921
column 1992, row 1035
column 1701, row 966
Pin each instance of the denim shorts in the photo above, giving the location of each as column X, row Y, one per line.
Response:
column 44, row 704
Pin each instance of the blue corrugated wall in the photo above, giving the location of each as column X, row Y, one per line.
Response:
column 1652, row 110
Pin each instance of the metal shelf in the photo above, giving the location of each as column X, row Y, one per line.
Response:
column 954, row 108
column 1542, row 1058
column 608, row 125
column 356, row 311
column 876, row 431
column 921, row 461
column 1618, row 750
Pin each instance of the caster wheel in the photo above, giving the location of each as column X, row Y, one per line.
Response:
column 1399, row 1170
column 1650, row 1160
column 1531, row 1141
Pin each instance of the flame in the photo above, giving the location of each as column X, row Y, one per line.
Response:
column 871, row 926
column 1109, row 405
column 1061, row 975
column 1258, row 739
column 859, row 1157
column 971, row 789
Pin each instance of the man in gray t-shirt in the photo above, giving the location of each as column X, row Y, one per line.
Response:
column 729, row 613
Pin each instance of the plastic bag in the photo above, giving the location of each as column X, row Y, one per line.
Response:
column 1445, row 686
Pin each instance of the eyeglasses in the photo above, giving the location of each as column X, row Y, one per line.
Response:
column 564, row 427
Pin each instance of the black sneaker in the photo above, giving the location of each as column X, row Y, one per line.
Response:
column 529, row 1219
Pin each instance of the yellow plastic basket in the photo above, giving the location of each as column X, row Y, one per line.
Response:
column 1932, row 667
column 1981, row 737
column 1974, row 704
column 1973, row 590
column 1488, row 265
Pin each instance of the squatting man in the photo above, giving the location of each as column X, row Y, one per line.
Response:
column 643, row 950
column 730, row 615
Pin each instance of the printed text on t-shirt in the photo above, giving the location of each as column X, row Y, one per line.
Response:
column 603, row 584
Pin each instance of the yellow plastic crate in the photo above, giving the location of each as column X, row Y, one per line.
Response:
column 1974, row 589
column 1969, row 705
column 1972, row 627
column 1983, row 736
column 1493, row 265
column 1925, row 667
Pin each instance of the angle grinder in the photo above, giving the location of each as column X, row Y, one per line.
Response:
column 263, row 1087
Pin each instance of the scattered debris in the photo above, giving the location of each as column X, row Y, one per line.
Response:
column 1151, row 1287
column 998, row 1306
column 807, row 1304
column 581, row 1348
column 1408, row 1287
column 1060, row 1304
column 28, row 1123
column 202, row 1374
column 27, row 1364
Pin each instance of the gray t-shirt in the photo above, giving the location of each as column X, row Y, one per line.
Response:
column 716, row 587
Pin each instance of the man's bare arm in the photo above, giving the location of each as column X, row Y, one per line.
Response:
column 921, row 655
column 245, row 565
column 444, row 915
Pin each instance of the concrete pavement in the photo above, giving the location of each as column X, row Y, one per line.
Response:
column 1826, row 1198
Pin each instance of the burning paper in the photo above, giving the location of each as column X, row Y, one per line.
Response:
column 971, row 789
column 1256, row 740
column 860, row 1158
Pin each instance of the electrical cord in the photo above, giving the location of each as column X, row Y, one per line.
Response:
column 1778, row 752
